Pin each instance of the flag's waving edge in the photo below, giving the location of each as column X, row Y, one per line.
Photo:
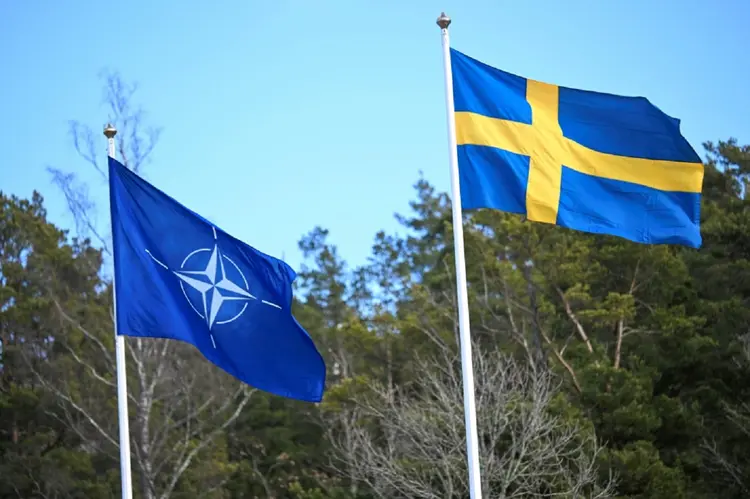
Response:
column 180, row 277
column 589, row 161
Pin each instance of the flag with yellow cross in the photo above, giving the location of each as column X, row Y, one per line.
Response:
column 589, row 161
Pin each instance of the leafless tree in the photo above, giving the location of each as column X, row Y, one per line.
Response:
column 720, row 465
column 411, row 443
column 180, row 403
column 135, row 142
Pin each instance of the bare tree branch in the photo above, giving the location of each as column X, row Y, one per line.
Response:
column 106, row 353
column 525, row 450
column 621, row 321
column 572, row 316
column 180, row 402
column 206, row 440
column 68, row 400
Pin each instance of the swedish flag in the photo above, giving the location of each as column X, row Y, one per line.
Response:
column 588, row 161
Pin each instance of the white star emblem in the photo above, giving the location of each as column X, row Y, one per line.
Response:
column 213, row 285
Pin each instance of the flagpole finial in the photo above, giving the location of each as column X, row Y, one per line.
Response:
column 443, row 21
column 110, row 131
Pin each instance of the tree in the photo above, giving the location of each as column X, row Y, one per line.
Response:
column 181, row 404
column 411, row 443
column 595, row 358
column 405, row 438
column 39, row 455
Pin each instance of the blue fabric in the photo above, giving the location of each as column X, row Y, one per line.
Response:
column 179, row 277
column 492, row 178
column 660, row 217
column 482, row 89
column 624, row 126
column 614, row 124
column 628, row 128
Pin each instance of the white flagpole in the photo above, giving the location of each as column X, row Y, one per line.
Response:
column 467, row 367
column 122, row 387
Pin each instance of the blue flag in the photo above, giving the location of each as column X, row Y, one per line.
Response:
column 180, row 277
column 589, row 161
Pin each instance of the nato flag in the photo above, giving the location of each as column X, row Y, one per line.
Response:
column 180, row 277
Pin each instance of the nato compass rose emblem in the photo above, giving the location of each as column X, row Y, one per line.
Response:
column 213, row 285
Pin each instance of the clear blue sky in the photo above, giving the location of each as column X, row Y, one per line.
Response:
column 282, row 115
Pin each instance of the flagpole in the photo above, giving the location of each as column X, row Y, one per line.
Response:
column 122, row 388
column 467, row 367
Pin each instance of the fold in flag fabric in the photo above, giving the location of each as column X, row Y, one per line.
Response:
column 589, row 161
column 178, row 276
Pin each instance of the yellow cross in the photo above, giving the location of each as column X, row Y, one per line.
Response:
column 549, row 150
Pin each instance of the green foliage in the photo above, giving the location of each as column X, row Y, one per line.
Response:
column 649, row 348
column 39, row 455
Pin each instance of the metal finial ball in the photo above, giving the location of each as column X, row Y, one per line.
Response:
column 443, row 21
column 110, row 131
